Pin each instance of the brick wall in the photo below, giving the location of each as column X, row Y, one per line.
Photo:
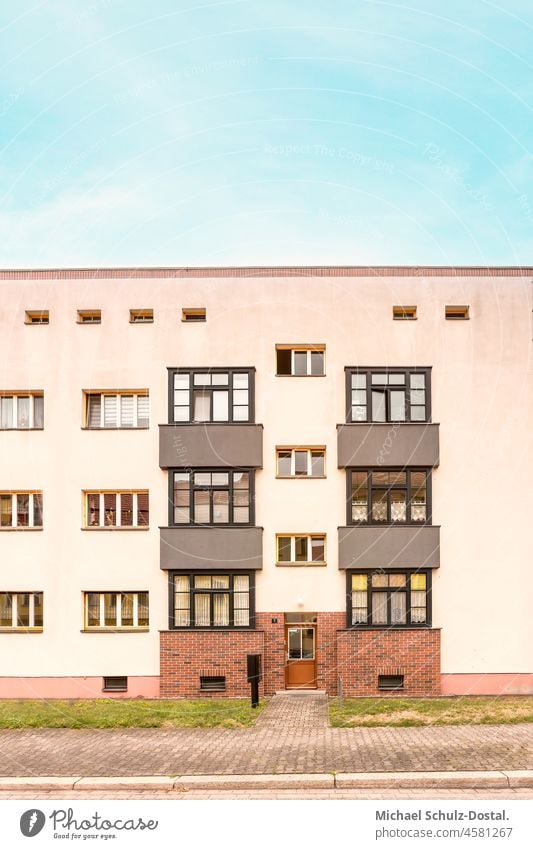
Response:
column 327, row 627
column 415, row 654
column 357, row 656
column 186, row 655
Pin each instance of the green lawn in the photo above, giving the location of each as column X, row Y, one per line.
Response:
column 467, row 710
column 118, row 713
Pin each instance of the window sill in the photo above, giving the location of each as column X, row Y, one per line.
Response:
column 304, row 563
column 21, row 529
column 423, row 627
column 119, row 528
column 300, row 477
column 23, row 429
column 301, row 375
column 21, row 630
column 122, row 427
column 111, row 630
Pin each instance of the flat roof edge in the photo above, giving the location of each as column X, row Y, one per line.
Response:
column 192, row 272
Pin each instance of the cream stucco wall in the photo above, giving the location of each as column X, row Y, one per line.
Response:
column 482, row 396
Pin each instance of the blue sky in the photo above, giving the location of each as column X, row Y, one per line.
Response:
column 265, row 132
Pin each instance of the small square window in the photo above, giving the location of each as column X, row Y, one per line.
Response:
column 193, row 314
column 37, row 317
column 115, row 684
column 89, row 316
column 457, row 313
column 402, row 313
column 141, row 316
column 390, row 682
column 213, row 683
column 300, row 360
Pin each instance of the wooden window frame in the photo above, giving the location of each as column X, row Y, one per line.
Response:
column 390, row 488
column 404, row 313
column 307, row 348
column 117, row 394
column 193, row 315
column 191, row 574
column 15, row 395
column 457, row 312
column 31, row 526
column 310, row 449
column 118, row 602
column 31, row 607
column 141, row 316
column 36, row 317
column 293, row 537
column 89, row 317
column 87, row 493
column 368, row 625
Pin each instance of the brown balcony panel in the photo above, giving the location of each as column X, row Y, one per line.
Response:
column 194, row 547
column 223, row 445
column 381, row 547
column 387, row 444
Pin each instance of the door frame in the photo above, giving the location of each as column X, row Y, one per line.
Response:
column 301, row 625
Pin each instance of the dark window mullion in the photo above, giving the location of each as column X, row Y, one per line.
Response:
column 230, row 395
column 369, row 416
column 408, row 497
column 408, row 599
column 231, row 603
column 389, row 605
column 407, row 396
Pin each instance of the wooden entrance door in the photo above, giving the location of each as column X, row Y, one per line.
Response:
column 300, row 650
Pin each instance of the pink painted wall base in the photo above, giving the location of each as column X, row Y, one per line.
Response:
column 490, row 684
column 139, row 686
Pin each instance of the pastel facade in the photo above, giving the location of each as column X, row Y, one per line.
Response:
column 298, row 472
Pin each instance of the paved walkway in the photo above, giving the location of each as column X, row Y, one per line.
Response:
column 291, row 736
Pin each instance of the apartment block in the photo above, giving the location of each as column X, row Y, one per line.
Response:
column 326, row 466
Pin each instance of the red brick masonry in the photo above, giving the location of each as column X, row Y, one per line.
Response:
column 357, row 656
column 413, row 653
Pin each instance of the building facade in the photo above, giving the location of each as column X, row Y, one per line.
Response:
column 329, row 467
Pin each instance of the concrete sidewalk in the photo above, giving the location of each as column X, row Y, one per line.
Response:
column 291, row 737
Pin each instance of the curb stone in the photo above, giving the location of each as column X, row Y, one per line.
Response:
column 504, row 779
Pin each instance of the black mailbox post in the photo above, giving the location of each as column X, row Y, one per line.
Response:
column 253, row 667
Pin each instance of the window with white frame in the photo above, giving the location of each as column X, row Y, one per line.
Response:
column 117, row 409
column 301, row 462
column 301, row 549
column 116, row 610
column 21, row 610
column 300, row 360
column 21, row 510
column 21, row 411
column 116, row 509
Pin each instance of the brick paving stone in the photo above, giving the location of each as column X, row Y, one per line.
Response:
column 290, row 736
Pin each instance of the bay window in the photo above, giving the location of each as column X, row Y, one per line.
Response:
column 212, row 497
column 388, row 395
column 383, row 598
column 214, row 600
column 211, row 395
column 379, row 496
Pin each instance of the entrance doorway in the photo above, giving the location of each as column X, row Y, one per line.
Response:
column 300, row 651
